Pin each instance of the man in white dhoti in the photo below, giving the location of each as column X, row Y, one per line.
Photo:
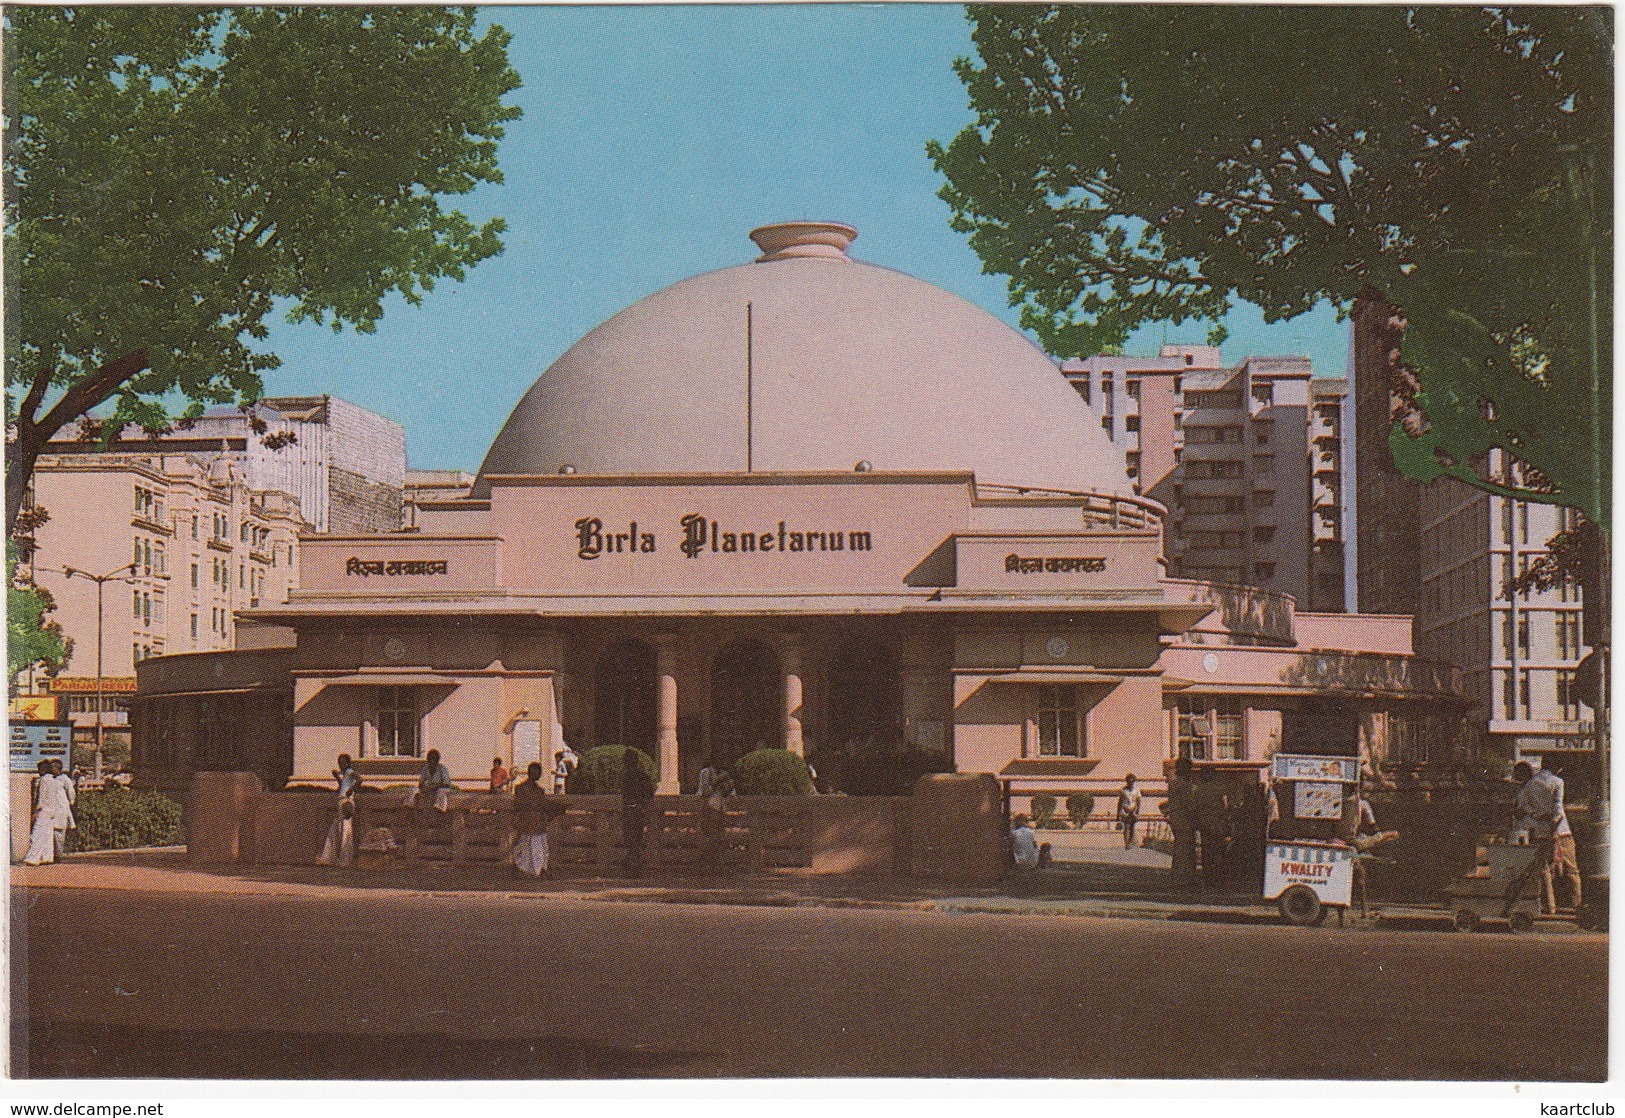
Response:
column 531, row 814
column 53, row 817
column 339, row 849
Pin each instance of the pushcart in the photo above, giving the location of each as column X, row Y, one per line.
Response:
column 1504, row 886
column 1308, row 863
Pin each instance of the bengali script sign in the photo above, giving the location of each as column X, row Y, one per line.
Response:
column 366, row 568
column 1017, row 564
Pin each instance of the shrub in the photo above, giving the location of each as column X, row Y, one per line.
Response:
column 1079, row 806
column 118, row 819
column 1043, row 809
column 772, row 772
column 600, row 771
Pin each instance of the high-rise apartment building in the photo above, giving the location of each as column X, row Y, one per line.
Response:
column 1388, row 514
column 345, row 465
column 1519, row 652
column 1447, row 552
column 188, row 544
column 1250, row 461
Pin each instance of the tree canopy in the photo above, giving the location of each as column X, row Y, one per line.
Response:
column 175, row 174
column 1140, row 163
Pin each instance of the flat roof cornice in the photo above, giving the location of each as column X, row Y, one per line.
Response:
column 830, row 477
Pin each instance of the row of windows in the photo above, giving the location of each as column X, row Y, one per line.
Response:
column 1213, row 434
column 149, row 505
column 1516, row 695
column 1213, row 399
column 1232, row 574
column 1566, row 626
column 148, row 558
column 1214, row 468
column 147, row 607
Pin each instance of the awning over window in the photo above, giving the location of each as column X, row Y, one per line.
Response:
column 388, row 679
column 1043, row 675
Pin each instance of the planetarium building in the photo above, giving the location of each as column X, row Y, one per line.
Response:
column 804, row 502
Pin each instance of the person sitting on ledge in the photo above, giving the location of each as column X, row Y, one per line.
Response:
column 434, row 783
column 1023, row 844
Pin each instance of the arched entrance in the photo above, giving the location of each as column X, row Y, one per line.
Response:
column 864, row 752
column 624, row 696
column 745, row 700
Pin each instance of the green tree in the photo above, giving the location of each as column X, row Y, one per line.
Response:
column 30, row 638
column 1132, row 164
column 173, row 175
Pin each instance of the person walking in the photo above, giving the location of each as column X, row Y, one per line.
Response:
column 637, row 796
column 717, row 786
column 564, row 767
column 339, row 849
column 1540, row 813
column 53, row 816
column 1128, row 810
column 533, row 810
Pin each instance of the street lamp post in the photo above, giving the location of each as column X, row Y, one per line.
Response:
column 121, row 574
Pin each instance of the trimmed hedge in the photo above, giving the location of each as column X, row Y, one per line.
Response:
column 600, row 771
column 772, row 772
column 118, row 819
column 1043, row 809
column 1079, row 806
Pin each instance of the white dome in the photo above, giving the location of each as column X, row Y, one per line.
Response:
column 807, row 361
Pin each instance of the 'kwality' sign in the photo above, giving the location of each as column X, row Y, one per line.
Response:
column 699, row 535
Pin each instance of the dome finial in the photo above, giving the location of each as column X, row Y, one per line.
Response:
column 789, row 240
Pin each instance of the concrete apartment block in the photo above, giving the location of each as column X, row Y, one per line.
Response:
column 345, row 465
column 1519, row 654
column 1249, row 460
column 1387, row 503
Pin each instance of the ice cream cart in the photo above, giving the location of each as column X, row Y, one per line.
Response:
column 1309, row 856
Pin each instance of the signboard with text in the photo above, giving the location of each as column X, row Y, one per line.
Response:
column 1327, row 869
column 1297, row 766
column 33, row 742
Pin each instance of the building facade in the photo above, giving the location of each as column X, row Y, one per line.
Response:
column 751, row 511
column 1519, row 651
column 430, row 487
column 190, row 545
column 1250, row 462
column 1388, row 510
column 344, row 465
column 1449, row 554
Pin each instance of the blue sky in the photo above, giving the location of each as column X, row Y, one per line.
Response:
column 653, row 140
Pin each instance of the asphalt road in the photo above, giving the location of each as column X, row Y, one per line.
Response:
column 138, row 985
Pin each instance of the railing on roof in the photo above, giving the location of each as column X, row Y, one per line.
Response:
column 1100, row 510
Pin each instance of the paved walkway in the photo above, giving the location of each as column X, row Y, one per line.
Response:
column 1093, row 885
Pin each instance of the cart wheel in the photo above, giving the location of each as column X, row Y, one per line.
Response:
column 1466, row 920
column 1300, row 907
column 1521, row 923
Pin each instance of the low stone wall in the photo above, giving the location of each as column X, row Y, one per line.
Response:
column 951, row 828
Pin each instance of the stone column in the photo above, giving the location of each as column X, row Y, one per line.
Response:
column 790, row 657
column 666, row 717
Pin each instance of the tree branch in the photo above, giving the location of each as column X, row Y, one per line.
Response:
column 89, row 391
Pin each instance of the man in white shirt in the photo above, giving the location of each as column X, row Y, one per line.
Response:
column 1023, row 843
column 53, row 817
column 1541, row 812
